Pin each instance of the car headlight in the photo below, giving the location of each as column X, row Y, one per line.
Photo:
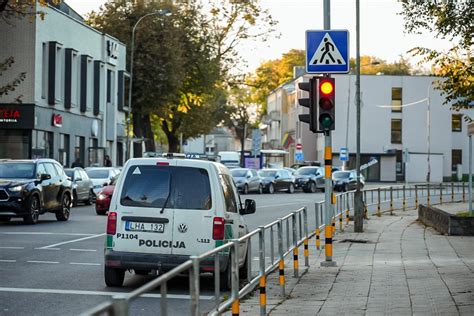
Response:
column 101, row 196
column 18, row 188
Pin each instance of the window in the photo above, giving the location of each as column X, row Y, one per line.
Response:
column 50, row 170
column 79, row 150
column 456, row 122
column 40, row 170
column 44, row 72
column 59, row 84
column 456, row 159
column 396, row 131
column 396, row 99
column 229, row 195
column 173, row 187
column 42, row 144
column 64, row 149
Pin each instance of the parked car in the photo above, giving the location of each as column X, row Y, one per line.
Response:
column 247, row 180
column 82, row 187
column 29, row 188
column 309, row 179
column 101, row 176
column 102, row 202
column 305, row 164
column 346, row 180
column 291, row 170
column 165, row 210
column 277, row 180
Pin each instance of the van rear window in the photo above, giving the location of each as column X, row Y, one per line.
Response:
column 169, row 186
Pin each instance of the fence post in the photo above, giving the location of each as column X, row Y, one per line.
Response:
column 366, row 209
column 295, row 246
column 378, row 203
column 428, row 195
column 463, row 192
column 416, row 197
column 234, row 261
column 452, row 192
column 217, row 281
column 440, row 193
column 281, row 265
column 318, row 224
column 263, row 280
column 347, row 209
column 305, row 226
column 272, row 245
column 391, row 200
column 194, row 286
column 404, row 199
column 120, row 305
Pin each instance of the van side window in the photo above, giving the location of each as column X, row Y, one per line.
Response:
column 229, row 193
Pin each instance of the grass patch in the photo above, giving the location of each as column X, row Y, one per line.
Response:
column 464, row 214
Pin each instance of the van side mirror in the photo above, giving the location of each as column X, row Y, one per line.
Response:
column 250, row 207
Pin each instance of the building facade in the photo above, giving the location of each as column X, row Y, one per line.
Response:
column 73, row 94
column 397, row 115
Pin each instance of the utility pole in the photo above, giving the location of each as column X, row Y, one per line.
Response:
column 358, row 199
column 470, row 132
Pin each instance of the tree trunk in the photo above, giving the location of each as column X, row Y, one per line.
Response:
column 148, row 133
column 173, row 143
column 242, row 144
column 138, row 132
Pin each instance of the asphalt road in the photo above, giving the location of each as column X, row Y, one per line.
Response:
column 56, row 268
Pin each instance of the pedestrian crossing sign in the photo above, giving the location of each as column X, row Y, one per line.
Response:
column 327, row 51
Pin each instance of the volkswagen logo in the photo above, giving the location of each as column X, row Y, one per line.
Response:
column 182, row 228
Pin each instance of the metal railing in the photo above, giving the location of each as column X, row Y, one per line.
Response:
column 285, row 236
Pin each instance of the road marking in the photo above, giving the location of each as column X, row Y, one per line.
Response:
column 6, row 260
column 73, row 249
column 47, row 248
column 46, row 233
column 71, row 241
column 79, row 292
column 38, row 261
column 12, row 247
column 85, row 263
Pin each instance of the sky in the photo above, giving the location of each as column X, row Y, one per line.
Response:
column 381, row 28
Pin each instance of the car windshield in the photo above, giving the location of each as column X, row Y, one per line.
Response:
column 238, row 172
column 341, row 175
column 167, row 186
column 98, row 173
column 17, row 170
column 306, row 171
column 69, row 172
column 267, row 173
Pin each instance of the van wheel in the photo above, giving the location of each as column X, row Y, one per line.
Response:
column 226, row 278
column 114, row 277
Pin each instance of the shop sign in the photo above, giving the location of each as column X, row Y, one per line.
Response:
column 17, row 116
column 112, row 51
column 57, row 120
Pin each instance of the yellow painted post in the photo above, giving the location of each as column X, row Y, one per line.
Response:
column 282, row 275
column 333, row 224
column 263, row 293
column 295, row 260
column 318, row 240
column 306, row 250
column 347, row 217
column 236, row 308
column 328, row 243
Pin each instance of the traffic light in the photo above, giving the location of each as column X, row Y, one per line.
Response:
column 326, row 103
column 309, row 103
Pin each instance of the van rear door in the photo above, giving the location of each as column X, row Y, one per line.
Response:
column 145, row 213
column 194, row 208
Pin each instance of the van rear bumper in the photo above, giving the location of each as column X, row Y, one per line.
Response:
column 161, row 262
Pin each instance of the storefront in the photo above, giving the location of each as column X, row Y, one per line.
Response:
column 16, row 124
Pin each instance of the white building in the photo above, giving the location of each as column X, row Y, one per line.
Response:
column 397, row 137
column 73, row 95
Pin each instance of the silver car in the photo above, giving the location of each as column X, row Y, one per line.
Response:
column 101, row 176
column 247, row 180
column 82, row 187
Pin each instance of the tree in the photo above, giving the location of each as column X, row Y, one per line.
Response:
column 451, row 20
column 273, row 73
column 10, row 86
column 371, row 65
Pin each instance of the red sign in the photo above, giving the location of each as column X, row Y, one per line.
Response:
column 299, row 146
column 57, row 120
column 9, row 115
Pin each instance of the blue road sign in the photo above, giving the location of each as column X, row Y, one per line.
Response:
column 299, row 156
column 344, row 154
column 327, row 51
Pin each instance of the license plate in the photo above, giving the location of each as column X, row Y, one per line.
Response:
column 145, row 227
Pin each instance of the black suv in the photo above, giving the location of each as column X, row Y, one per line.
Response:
column 29, row 188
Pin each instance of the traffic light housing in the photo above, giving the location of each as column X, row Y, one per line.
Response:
column 310, row 102
column 326, row 104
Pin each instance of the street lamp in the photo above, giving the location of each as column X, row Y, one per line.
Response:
column 428, row 123
column 132, row 48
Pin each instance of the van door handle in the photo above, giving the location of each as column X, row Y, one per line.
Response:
column 241, row 226
column 229, row 221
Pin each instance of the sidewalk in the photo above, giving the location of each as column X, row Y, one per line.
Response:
column 397, row 266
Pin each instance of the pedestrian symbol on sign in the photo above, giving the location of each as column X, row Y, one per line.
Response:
column 327, row 53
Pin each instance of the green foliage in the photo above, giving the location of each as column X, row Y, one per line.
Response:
column 14, row 9
column 273, row 73
column 371, row 65
column 451, row 20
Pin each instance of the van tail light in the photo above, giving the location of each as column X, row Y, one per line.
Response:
column 218, row 228
column 112, row 223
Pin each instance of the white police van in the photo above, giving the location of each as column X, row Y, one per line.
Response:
column 165, row 209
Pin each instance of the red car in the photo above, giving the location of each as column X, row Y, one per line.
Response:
column 102, row 202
